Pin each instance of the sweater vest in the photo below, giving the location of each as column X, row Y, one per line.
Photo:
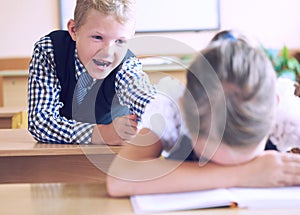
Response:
column 101, row 104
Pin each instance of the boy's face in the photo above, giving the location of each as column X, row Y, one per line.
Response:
column 101, row 42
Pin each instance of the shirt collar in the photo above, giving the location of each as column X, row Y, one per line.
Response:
column 79, row 67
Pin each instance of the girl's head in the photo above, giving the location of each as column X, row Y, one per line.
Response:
column 244, row 90
column 234, row 35
column 101, row 29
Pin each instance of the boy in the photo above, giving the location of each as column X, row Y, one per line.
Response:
column 228, row 107
column 83, row 82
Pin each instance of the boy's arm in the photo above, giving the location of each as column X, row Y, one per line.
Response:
column 122, row 129
column 133, row 87
column 44, row 120
column 134, row 91
column 139, row 169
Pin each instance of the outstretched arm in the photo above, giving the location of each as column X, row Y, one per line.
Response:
column 119, row 131
column 139, row 169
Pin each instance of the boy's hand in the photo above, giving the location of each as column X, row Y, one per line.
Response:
column 122, row 129
column 125, row 126
column 271, row 169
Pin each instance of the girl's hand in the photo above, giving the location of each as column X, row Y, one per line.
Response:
column 271, row 169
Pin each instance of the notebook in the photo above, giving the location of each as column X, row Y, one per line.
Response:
column 251, row 198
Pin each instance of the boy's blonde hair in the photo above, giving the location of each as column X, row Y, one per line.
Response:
column 247, row 87
column 123, row 10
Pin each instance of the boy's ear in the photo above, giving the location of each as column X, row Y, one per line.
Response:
column 72, row 29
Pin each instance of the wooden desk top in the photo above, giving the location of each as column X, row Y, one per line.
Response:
column 19, row 142
column 91, row 199
column 9, row 73
column 11, row 111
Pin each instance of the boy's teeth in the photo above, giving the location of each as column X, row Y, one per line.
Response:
column 102, row 63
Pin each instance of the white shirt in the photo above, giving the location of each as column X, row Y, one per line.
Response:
column 163, row 114
column 285, row 133
column 165, row 118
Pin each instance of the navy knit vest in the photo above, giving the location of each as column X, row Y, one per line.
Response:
column 100, row 105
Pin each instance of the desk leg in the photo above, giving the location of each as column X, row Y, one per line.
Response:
column 20, row 120
column 1, row 91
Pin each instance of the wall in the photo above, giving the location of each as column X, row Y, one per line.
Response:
column 23, row 22
column 273, row 23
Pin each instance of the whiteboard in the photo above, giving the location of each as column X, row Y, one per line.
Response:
column 164, row 15
column 66, row 8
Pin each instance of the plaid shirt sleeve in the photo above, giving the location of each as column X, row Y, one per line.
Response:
column 133, row 87
column 44, row 120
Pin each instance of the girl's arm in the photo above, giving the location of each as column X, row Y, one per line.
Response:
column 139, row 169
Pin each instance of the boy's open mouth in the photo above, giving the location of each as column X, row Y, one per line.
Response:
column 101, row 63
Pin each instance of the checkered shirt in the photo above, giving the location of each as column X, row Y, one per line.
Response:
column 45, row 123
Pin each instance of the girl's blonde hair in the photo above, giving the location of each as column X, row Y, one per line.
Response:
column 123, row 10
column 247, row 85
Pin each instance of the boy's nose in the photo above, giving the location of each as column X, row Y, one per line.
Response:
column 109, row 45
column 108, row 49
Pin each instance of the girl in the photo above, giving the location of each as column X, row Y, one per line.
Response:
column 214, row 136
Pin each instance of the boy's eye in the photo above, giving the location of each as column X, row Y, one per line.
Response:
column 97, row 37
column 120, row 42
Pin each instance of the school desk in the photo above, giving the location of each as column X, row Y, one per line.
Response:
column 91, row 199
column 13, row 117
column 13, row 88
column 23, row 160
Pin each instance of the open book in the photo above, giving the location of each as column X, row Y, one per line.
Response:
column 286, row 197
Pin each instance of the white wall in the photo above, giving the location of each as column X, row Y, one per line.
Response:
column 273, row 22
column 23, row 22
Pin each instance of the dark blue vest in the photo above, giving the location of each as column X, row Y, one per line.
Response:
column 100, row 105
